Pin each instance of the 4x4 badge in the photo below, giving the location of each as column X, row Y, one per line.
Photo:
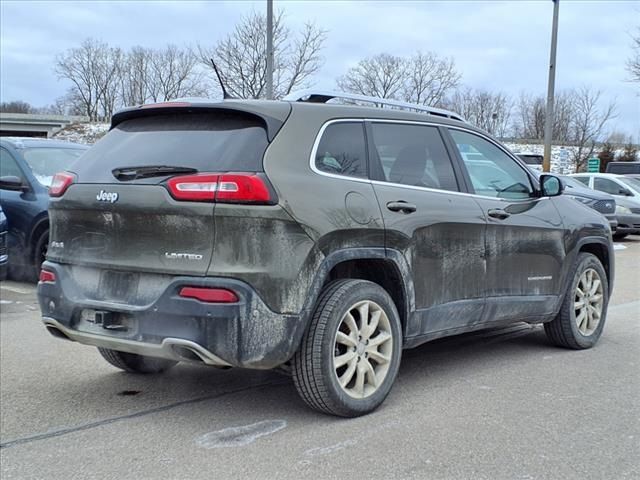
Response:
column 110, row 197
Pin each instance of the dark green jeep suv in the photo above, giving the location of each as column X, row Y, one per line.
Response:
column 317, row 237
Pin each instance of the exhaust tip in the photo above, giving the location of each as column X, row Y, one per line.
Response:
column 187, row 354
column 56, row 332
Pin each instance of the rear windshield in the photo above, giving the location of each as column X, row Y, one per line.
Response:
column 208, row 142
column 631, row 167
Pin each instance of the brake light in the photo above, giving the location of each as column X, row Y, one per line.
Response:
column 209, row 295
column 166, row 104
column 60, row 183
column 47, row 277
column 224, row 188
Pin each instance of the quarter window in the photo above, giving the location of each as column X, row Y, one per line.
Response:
column 493, row 173
column 413, row 155
column 342, row 150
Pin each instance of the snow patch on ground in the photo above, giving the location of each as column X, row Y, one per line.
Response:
column 86, row 133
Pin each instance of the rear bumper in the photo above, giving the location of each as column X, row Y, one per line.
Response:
column 628, row 224
column 242, row 334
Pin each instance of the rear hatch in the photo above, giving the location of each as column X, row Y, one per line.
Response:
column 142, row 199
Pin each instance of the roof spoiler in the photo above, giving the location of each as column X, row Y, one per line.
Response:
column 271, row 123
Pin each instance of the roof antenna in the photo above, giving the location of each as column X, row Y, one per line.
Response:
column 225, row 94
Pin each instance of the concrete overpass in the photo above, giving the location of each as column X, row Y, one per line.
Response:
column 35, row 125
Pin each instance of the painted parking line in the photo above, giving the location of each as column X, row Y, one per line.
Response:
column 11, row 288
column 618, row 246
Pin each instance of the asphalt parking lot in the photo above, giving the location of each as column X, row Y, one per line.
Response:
column 500, row 404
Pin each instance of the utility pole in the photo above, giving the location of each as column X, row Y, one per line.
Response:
column 548, row 121
column 269, row 50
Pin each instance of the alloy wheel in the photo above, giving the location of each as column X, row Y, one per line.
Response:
column 363, row 347
column 588, row 302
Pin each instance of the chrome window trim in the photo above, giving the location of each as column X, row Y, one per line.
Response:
column 316, row 144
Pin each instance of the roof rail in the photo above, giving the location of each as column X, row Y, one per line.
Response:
column 315, row 96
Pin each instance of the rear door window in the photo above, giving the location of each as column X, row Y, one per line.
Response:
column 8, row 165
column 607, row 186
column 208, row 142
column 413, row 155
column 342, row 150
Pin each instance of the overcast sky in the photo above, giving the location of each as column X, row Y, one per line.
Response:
column 496, row 45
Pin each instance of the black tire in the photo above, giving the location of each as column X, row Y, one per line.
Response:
column 134, row 363
column 313, row 371
column 39, row 254
column 619, row 236
column 563, row 330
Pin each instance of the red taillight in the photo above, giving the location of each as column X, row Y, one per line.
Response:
column 209, row 295
column 195, row 188
column 234, row 188
column 225, row 188
column 47, row 277
column 60, row 183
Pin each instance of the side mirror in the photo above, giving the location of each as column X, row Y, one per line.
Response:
column 625, row 192
column 11, row 182
column 550, row 186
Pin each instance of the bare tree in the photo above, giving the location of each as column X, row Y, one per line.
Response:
column 109, row 74
column 382, row 75
column 134, row 78
column 633, row 63
column 174, row 73
column 17, row 106
column 242, row 56
column 531, row 116
column 424, row 78
column 484, row 109
column 93, row 70
column 429, row 79
column 589, row 121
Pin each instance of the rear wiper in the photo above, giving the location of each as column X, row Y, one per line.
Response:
column 133, row 173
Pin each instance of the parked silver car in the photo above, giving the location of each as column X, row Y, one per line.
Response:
column 626, row 191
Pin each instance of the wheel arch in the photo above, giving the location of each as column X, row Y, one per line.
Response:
column 602, row 249
column 40, row 225
column 385, row 267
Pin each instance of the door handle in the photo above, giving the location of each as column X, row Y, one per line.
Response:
column 498, row 213
column 401, row 206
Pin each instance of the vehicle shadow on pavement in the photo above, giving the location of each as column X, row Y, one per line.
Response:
column 434, row 363
column 236, row 396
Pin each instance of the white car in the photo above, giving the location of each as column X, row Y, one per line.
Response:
column 626, row 191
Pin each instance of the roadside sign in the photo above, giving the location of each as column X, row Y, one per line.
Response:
column 593, row 165
column 564, row 155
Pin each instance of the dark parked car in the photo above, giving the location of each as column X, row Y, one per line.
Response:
column 4, row 257
column 314, row 237
column 533, row 160
column 599, row 201
column 624, row 168
column 27, row 166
